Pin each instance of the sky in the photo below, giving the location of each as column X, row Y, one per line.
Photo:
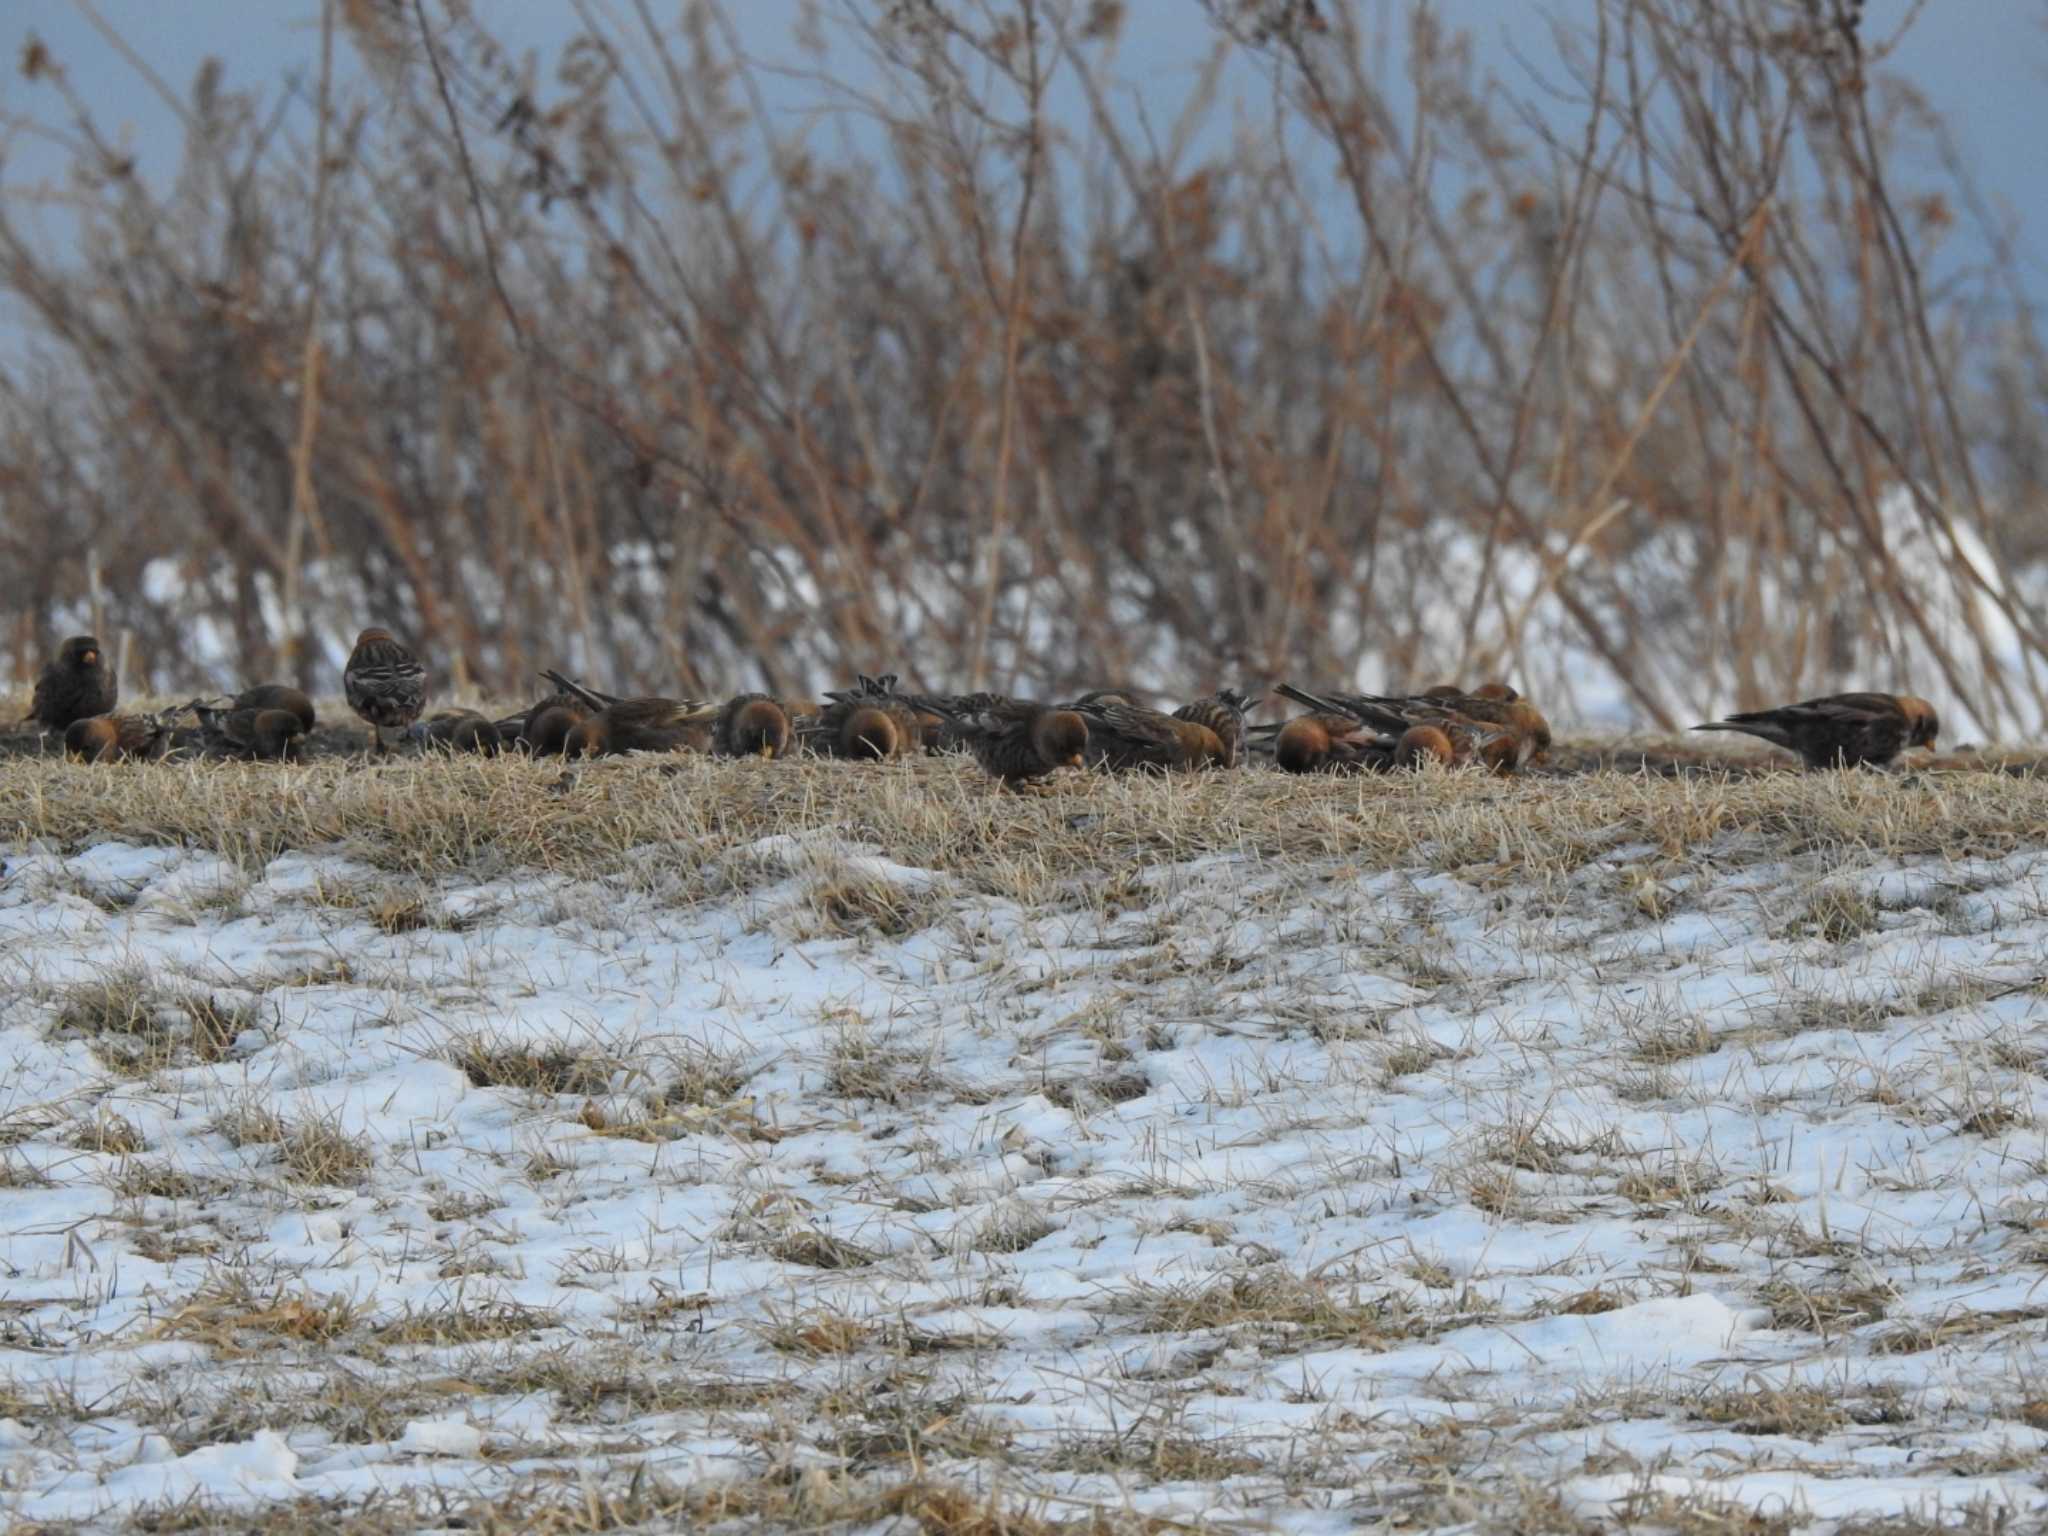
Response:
column 1982, row 63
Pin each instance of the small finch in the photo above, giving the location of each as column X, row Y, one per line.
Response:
column 252, row 735
column 1018, row 742
column 76, row 685
column 114, row 738
column 867, row 721
column 384, row 684
column 457, row 730
column 1329, row 743
column 1421, row 744
column 750, row 725
column 277, row 696
column 1498, row 746
column 634, row 725
column 1128, row 736
column 1223, row 713
column 648, row 724
column 1843, row 730
column 548, row 725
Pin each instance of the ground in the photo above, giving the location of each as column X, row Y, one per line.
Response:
column 806, row 1146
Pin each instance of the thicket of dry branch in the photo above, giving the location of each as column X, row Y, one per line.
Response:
column 988, row 376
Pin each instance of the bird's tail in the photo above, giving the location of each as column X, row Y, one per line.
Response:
column 575, row 689
column 1308, row 700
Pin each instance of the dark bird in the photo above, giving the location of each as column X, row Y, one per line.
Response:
column 1470, row 735
column 1126, row 736
column 76, row 685
column 1016, row 741
column 868, row 721
column 1421, row 744
column 548, row 724
column 113, row 738
column 252, row 735
column 1499, row 692
column 750, row 725
column 457, row 730
column 384, row 683
column 1223, row 713
column 650, row 723
column 1329, row 743
column 1843, row 730
column 277, row 696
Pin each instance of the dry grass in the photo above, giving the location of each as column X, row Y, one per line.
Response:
column 685, row 817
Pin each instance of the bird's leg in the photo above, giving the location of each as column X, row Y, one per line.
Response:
column 377, row 736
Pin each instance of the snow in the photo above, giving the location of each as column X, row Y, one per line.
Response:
column 1321, row 1166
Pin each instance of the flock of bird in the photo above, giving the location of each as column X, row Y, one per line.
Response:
column 1019, row 742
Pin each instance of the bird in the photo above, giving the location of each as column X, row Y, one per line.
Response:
column 1842, row 730
column 750, row 725
column 1018, row 742
column 1500, row 692
column 1328, row 743
column 457, row 730
column 277, row 696
column 650, row 723
column 548, row 724
column 384, row 683
column 1223, row 713
column 1127, row 736
column 1499, row 747
column 1421, row 744
column 112, row 738
column 867, row 721
column 76, row 685
column 258, row 735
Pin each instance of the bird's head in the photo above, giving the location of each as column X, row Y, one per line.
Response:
column 373, row 637
column 870, row 733
column 761, row 727
column 1922, row 724
column 1421, row 744
column 80, row 652
column 1302, row 746
column 1061, row 738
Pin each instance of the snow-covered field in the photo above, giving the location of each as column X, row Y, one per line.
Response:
column 1300, row 1195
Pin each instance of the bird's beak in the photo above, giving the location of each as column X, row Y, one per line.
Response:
column 90, row 658
column 1075, row 761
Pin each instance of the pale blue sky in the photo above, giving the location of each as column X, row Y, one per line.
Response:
column 1983, row 63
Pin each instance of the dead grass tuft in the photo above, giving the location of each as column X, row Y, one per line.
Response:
column 530, row 1067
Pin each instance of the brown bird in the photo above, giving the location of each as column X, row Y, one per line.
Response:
column 1329, row 743
column 1127, row 736
column 636, row 725
column 547, row 728
column 651, row 723
column 457, row 730
column 750, row 725
column 76, row 685
column 1468, row 719
column 113, row 738
column 867, row 721
column 1421, row 744
column 384, row 684
column 1016, row 741
column 1843, row 730
column 1223, row 713
column 277, row 696
column 1471, row 736
column 251, row 735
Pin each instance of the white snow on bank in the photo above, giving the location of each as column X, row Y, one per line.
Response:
column 1331, row 1170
